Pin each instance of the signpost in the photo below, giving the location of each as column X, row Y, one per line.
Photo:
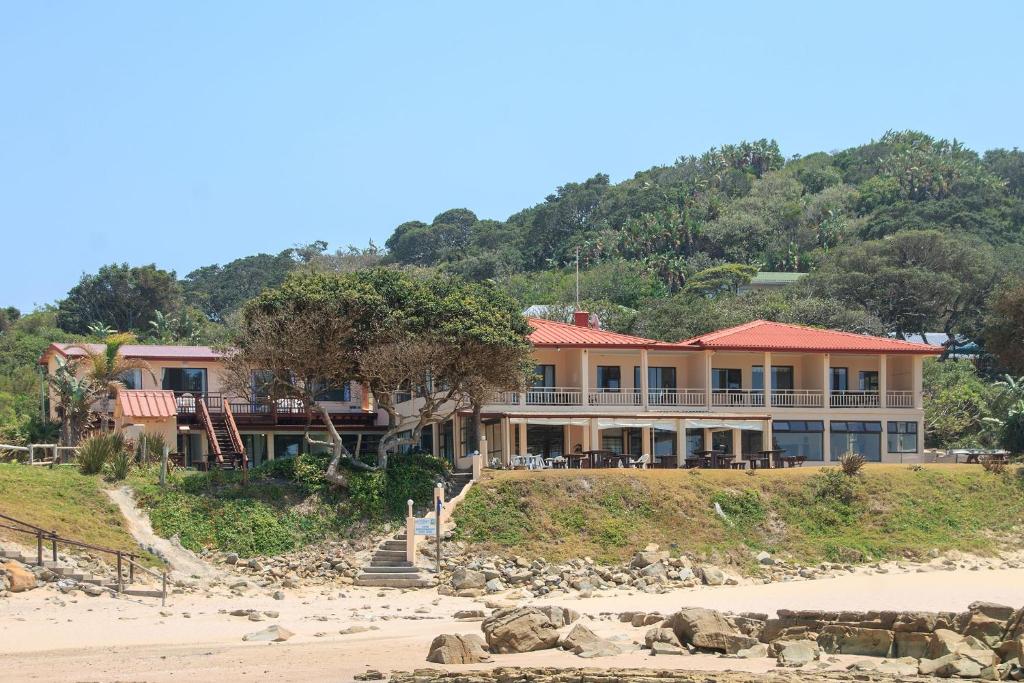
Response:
column 437, row 527
column 426, row 526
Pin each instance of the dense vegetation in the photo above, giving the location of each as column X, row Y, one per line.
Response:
column 902, row 235
column 888, row 511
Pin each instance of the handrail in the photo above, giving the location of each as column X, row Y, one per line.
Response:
column 236, row 438
column 121, row 555
column 211, row 436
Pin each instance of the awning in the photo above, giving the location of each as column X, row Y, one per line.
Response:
column 574, row 421
column 146, row 404
column 634, row 423
column 750, row 425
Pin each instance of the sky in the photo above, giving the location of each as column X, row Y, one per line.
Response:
column 189, row 133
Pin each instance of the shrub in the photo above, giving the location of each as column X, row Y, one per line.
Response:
column 119, row 464
column 991, row 464
column 852, row 463
column 95, row 451
column 833, row 486
column 151, row 447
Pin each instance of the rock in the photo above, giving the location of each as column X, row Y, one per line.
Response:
column 370, row 675
column 753, row 652
column 794, row 653
column 902, row 667
column 765, row 558
column 231, row 558
column 949, row 666
column 463, row 578
column 458, row 649
column 578, row 639
column 661, row 635
column 356, row 628
column 668, row 649
column 910, row 644
column 469, row 615
column 992, row 610
column 19, row 578
column 560, row 616
column 656, row 569
column 255, row 616
column 647, row 557
column 92, row 589
column 707, row 628
column 712, row 575
column 278, row 595
column 986, row 629
column 494, row 586
column 601, row 648
column 523, row 629
column 271, row 634
column 850, row 640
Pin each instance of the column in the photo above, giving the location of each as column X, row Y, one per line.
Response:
column 680, row 442
column 506, row 442
column 522, row 438
column 645, row 441
column 707, row 439
column 826, row 442
column 270, row 445
column 584, row 378
column 586, row 436
column 766, row 374
column 595, row 434
column 644, row 380
column 916, row 363
column 737, row 443
column 920, row 434
column 766, row 435
column 826, row 379
column 435, row 439
column 365, row 390
column 566, row 439
column 707, row 387
column 883, row 382
column 457, row 436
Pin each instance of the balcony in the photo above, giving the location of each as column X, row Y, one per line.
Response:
column 855, row 399
column 285, row 411
column 899, row 399
column 737, row 398
column 614, row 397
column 675, row 398
column 797, row 398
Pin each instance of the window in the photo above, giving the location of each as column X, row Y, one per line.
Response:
column 658, row 379
column 131, row 379
column 611, row 440
column 800, row 437
column 404, row 394
column 609, row 377
column 862, row 438
column 694, row 441
column 782, row 378
column 185, row 379
column 664, row 442
column 902, row 437
column 546, row 440
column 544, row 377
column 839, row 379
column 287, row 445
column 868, row 380
column 427, row 439
column 342, row 394
column 726, row 378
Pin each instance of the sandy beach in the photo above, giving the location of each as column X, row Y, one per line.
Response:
column 48, row 636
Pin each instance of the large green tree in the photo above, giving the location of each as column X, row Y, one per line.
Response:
column 120, row 296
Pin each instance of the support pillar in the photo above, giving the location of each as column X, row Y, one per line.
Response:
column 584, row 378
column 435, row 439
column 916, row 364
column 410, row 534
column 680, row 443
column 826, row 380
column 522, row 438
column 707, row 388
column 707, row 438
column 767, row 440
column 457, row 446
column 506, row 442
column 826, row 445
column 766, row 374
column 586, row 435
column 646, row 438
column 737, row 443
column 883, row 381
column 645, row 394
column 595, row 434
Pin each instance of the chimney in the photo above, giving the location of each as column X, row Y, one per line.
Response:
column 581, row 319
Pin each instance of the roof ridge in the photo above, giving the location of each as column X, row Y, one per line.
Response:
column 718, row 334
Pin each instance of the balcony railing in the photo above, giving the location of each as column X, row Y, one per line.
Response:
column 673, row 398
column 614, row 397
column 899, row 399
column 854, row 399
column 737, row 398
column 797, row 398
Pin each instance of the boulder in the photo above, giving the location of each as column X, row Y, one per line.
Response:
column 523, row 629
column 668, row 649
column 465, row 648
column 271, row 634
column 907, row 644
column 985, row 628
column 942, row 643
column 469, row 615
column 560, row 616
column 851, row 640
column 712, row 575
column 647, row 557
column 794, row 653
column 949, row 666
column 579, row 639
column 708, row 629
column 992, row 610
column 660, row 635
column 463, row 578
column 753, row 652
column 915, row 622
column 654, row 570
column 20, row 579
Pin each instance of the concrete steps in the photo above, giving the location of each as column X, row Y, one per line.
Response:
column 57, row 568
column 388, row 568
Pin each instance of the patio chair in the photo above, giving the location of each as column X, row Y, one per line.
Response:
column 643, row 462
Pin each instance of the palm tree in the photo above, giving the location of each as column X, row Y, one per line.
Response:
column 108, row 368
column 75, row 396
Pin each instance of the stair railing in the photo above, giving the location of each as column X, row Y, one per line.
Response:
column 122, row 556
column 211, row 436
column 236, row 438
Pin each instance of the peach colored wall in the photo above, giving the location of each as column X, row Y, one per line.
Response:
column 566, row 362
column 854, row 365
column 901, row 372
column 166, row 427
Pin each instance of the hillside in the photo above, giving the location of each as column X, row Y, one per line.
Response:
column 888, row 512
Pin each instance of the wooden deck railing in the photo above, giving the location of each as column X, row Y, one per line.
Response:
column 211, row 435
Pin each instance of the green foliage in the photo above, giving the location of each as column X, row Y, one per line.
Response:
column 744, row 509
column 728, row 277
column 957, row 406
column 119, row 464
column 219, row 290
column 121, row 296
column 851, row 463
column 1004, row 325
column 94, row 452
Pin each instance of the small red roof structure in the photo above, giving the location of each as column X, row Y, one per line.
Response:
column 139, row 403
column 548, row 333
column 763, row 335
column 140, row 351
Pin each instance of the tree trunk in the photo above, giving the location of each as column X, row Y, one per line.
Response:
column 338, row 451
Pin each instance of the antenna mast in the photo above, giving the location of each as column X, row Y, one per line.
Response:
column 577, row 278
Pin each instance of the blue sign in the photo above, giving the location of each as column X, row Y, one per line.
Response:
column 426, row 526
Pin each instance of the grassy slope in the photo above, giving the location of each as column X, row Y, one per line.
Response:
column 64, row 501
column 888, row 511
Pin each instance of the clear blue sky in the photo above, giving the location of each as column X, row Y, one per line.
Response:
column 189, row 133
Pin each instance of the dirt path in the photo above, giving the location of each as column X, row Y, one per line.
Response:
column 184, row 562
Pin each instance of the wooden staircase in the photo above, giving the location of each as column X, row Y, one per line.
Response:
column 227, row 451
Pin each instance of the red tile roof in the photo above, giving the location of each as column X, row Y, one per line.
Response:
column 763, row 335
column 145, row 403
column 141, row 351
column 551, row 333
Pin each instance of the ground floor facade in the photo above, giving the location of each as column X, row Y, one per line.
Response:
column 265, row 445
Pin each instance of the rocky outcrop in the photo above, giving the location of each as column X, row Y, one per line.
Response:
column 708, row 629
column 794, row 653
column 853, row 640
column 522, row 629
column 458, row 649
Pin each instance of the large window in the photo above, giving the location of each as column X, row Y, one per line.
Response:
column 840, row 379
column 902, row 437
column 800, row 437
column 867, row 380
column 288, row 445
column 658, row 379
column 664, row 442
column 726, row 378
column 782, row 378
column 546, row 440
column 544, row 377
column 185, row 379
column 694, row 441
column 342, row 394
column 609, row 377
column 131, row 379
column 862, row 438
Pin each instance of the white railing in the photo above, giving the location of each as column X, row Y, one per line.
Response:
column 854, row 399
column 797, row 398
column 554, row 396
column 734, row 398
column 899, row 399
column 671, row 398
column 614, row 397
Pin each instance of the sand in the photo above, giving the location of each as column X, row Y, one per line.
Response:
column 50, row 636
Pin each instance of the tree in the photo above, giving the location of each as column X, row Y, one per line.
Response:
column 7, row 317
column 435, row 336
column 728, row 277
column 220, row 290
column 121, row 296
column 1004, row 326
column 75, row 397
column 957, row 406
column 107, row 368
column 416, row 243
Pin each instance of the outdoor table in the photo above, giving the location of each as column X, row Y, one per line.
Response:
column 740, row 465
column 558, row 462
column 758, row 460
column 774, row 455
column 705, row 458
